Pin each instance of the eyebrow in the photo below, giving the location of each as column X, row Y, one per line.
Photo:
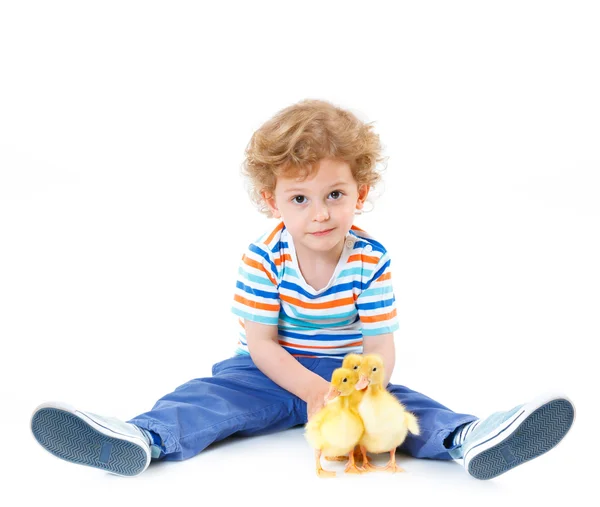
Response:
column 298, row 189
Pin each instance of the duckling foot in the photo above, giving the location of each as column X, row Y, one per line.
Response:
column 357, row 456
column 391, row 466
column 320, row 472
column 366, row 465
column 325, row 474
column 351, row 467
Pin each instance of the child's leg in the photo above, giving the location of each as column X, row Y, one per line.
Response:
column 239, row 399
column 505, row 440
column 491, row 446
column 436, row 424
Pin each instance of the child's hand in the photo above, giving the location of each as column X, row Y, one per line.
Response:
column 316, row 397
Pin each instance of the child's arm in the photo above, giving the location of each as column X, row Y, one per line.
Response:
column 383, row 345
column 281, row 367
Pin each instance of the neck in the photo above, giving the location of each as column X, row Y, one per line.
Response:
column 345, row 401
column 311, row 257
column 375, row 388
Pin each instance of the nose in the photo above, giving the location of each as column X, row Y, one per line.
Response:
column 321, row 213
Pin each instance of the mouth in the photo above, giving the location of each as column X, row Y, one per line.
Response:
column 322, row 233
column 332, row 393
column 362, row 384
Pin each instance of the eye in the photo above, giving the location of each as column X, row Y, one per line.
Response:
column 345, row 380
column 336, row 195
column 375, row 369
column 356, row 367
column 299, row 199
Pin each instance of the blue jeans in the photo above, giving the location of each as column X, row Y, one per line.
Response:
column 240, row 400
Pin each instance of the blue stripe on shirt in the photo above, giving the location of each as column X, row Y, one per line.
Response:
column 263, row 280
column 340, row 287
column 300, row 319
column 264, row 255
column 273, row 321
column 256, row 292
column 321, row 337
column 375, row 304
column 379, row 272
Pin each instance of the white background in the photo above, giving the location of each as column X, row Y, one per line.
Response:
column 123, row 218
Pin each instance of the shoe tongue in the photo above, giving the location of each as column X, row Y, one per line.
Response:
column 491, row 422
column 113, row 423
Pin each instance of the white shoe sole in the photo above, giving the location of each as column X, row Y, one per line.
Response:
column 533, row 430
column 77, row 437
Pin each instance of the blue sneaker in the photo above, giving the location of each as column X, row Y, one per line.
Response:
column 88, row 439
column 507, row 439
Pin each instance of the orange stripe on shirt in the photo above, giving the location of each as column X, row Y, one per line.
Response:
column 317, row 306
column 254, row 304
column 385, row 276
column 364, row 258
column 378, row 318
column 302, row 346
column 275, row 231
column 258, row 266
column 284, row 257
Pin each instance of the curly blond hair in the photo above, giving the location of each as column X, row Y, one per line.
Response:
column 297, row 137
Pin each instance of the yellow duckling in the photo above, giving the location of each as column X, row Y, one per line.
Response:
column 385, row 419
column 336, row 429
column 352, row 362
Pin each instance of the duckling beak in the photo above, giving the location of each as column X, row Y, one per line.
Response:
column 332, row 393
column 363, row 383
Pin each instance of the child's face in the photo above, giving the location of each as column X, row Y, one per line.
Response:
column 319, row 211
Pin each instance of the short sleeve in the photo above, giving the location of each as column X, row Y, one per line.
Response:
column 256, row 295
column 376, row 304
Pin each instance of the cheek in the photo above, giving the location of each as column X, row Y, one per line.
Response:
column 293, row 220
column 345, row 212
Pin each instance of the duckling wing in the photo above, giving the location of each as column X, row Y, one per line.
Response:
column 313, row 428
column 342, row 432
column 385, row 422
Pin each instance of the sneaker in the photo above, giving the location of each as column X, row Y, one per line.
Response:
column 507, row 439
column 88, row 439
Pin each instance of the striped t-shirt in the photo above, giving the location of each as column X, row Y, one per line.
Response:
column 331, row 322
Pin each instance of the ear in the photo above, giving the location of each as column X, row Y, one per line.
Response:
column 269, row 200
column 363, row 191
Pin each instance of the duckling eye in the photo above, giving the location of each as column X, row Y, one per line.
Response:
column 375, row 369
column 345, row 380
column 356, row 367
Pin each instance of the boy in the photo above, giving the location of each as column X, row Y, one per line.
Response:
column 309, row 291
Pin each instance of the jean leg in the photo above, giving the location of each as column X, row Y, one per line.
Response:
column 436, row 422
column 238, row 399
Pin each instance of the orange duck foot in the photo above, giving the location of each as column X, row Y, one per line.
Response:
column 325, row 474
column 393, row 468
column 368, row 467
column 320, row 472
column 357, row 456
column 391, row 465
column 351, row 467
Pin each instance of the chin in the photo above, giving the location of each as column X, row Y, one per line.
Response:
column 324, row 244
